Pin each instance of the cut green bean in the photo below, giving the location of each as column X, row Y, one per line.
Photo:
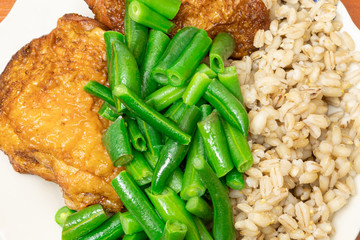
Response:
column 223, row 224
column 176, row 111
column 136, row 236
column 203, row 68
column 123, row 70
column 221, row 49
column 196, row 88
column 100, row 91
column 144, row 15
column 130, row 224
column 108, row 112
column 215, row 144
column 174, row 230
column 62, row 214
column 136, row 36
column 111, row 229
column 200, row 208
column 229, row 78
column 206, row 110
column 158, row 41
column 152, row 136
column 169, row 206
column 82, row 222
column 204, row 234
column 235, row 180
column 184, row 67
column 136, row 137
column 174, row 152
column 110, row 37
column 239, row 148
column 138, row 205
column 139, row 169
column 164, row 97
column 136, row 105
column 172, row 53
column 167, row 8
column 228, row 106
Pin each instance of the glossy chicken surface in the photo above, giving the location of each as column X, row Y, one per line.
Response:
column 241, row 18
column 49, row 126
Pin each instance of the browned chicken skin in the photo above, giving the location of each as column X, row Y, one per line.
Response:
column 49, row 126
column 241, row 18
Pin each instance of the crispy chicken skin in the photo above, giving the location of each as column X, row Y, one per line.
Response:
column 49, row 126
column 241, row 18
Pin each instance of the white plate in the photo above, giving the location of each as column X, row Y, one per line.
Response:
column 28, row 203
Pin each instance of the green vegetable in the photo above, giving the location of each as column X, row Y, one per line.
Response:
column 149, row 115
column 110, row 37
column 228, row 106
column 100, row 91
column 174, row 230
column 62, row 214
column 111, row 229
column 108, row 112
column 117, row 143
column 164, row 97
column 169, row 206
column 130, row 224
column 144, row 15
column 138, row 205
column 136, row 138
column 196, row 88
column 223, row 225
column 204, row 234
column 221, row 49
column 190, row 58
column 172, row 53
column 158, row 41
column 136, row 236
column 139, row 169
column 176, row 111
column 235, row 180
column 203, row 68
column 200, row 208
column 229, row 78
column 167, row 8
column 216, row 147
column 173, row 153
column 152, row 136
column 82, row 222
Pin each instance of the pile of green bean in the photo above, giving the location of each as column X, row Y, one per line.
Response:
column 179, row 128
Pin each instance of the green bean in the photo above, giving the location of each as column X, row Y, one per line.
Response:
column 222, row 48
column 110, row 37
column 117, row 143
column 173, row 153
column 139, row 169
column 239, row 148
column 174, row 230
column 189, row 59
column 235, row 180
column 229, row 78
column 136, row 236
column 152, row 136
column 167, row 8
column 164, row 97
column 138, row 205
column 196, row 88
column 204, row 234
column 82, row 222
column 203, row 68
column 144, row 15
column 158, row 41
column 200, row 208
column 111, row 229
column 206, row 110
column 169, row 206
column 108, row 112
column 176, row 111
column 228, row 106
column 100, row 91
column 223, row 225
column 130, row 224
column 149, row 115
column 172, row 53
column 215, row 144
column 123, row 70
column 136, row 36
column 136, row 137
column 62, row 214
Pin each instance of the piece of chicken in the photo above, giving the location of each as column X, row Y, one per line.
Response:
column 241, row 18
column 49, row 126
